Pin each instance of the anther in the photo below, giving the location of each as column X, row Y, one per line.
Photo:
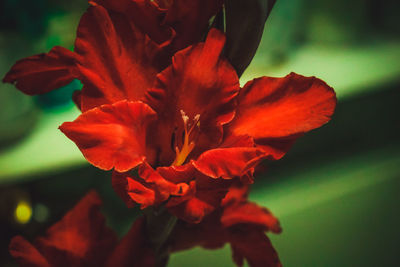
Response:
column 185, row 118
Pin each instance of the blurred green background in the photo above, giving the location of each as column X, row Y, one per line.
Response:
column 336, row 192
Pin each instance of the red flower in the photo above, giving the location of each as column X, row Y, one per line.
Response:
column 238, row 222
column 197, row 138
column 183, row 122
column 81, row 238
column 187, row 126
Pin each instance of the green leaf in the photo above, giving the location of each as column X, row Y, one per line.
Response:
column 244, row 24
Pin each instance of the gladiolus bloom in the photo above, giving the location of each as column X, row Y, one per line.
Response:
column 189, row 129
column 195, row 129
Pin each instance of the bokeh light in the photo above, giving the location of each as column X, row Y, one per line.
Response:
column 23, row 212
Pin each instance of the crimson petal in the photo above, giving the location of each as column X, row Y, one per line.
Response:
column 116, row 60
column 275, row 111
column 147, row 173
column 203, row 197
column 228, row 162
column 250, row 213
column 196, row 73
column 112, row 136
column 190, row 19
column 236, row 157
column 147, row 15
column 43, row 73
column 149, row 189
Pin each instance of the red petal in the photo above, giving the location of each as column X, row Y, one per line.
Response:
column 147, row 15
column 43, row 73
column 120, row 184
column 133, row 250
column 189, row 194
column 205, row 195
column 274, row 111
column 178, row 174
column 142, row 194
column 193, row 210
column 112, row 136
column 149, row 189
column 250, row 213
column 253, row 245
column 238, row 193
column 196, row 73
column 116, row 60
column 190, row 19
column 81, row 238
column 26, row 254
column 163, row 186
column 228, row 162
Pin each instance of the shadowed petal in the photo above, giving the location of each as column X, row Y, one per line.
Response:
column 112, row 136
column 238, row 193
column 82, row 234
column 43, row 73
column 26, row 254
column 190, row 19
column 120, row 184
column 193, row 210
column 116, row 60
column 275, row 111
column 147, row 15
column 250, row 213
column 250, row 243
column 133, row 250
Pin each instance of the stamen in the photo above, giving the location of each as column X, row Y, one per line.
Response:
column 187, row 145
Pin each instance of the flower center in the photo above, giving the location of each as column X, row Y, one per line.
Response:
column 187, row 144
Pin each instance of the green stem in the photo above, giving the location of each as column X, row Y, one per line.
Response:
column 159, row 225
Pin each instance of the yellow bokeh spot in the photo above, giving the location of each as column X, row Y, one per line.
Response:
column 23, row 212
